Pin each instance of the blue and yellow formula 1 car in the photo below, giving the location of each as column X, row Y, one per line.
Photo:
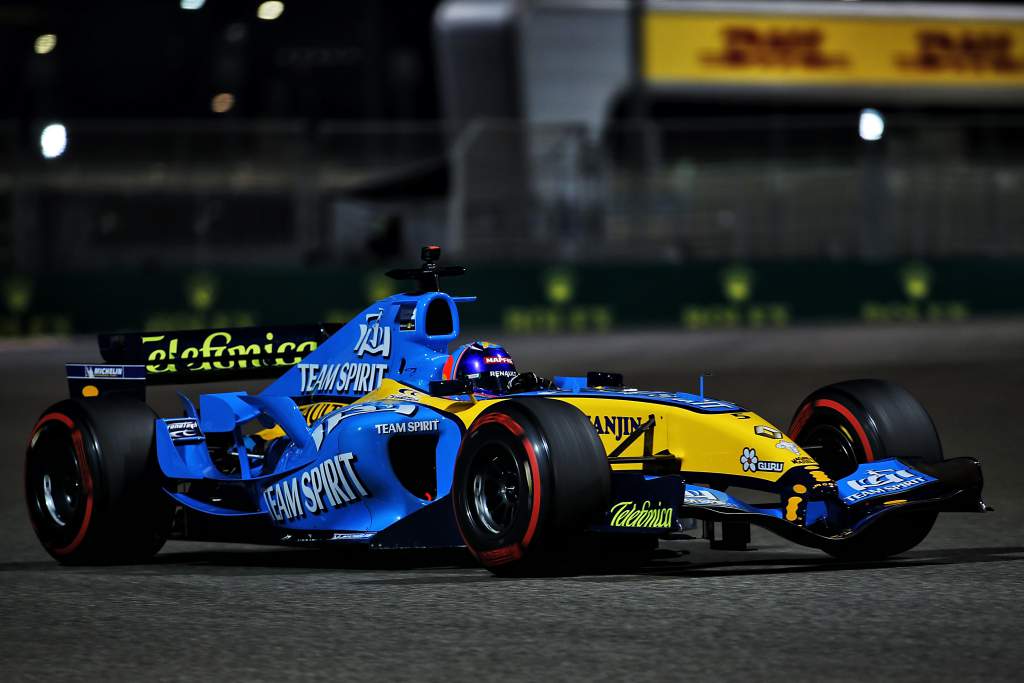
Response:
column 373, row 433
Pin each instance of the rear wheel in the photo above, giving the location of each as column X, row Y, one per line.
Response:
column 850, row 423
column 92, row 483
column 531, row 474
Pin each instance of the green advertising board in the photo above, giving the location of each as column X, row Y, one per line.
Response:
column 526, row 299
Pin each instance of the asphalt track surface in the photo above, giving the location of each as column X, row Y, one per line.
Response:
column 949, row 610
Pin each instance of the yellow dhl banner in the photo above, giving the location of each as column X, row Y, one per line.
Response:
column 777, row 50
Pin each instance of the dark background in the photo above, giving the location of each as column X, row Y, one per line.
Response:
column 608, row 223
column 520, row 137
column 355, row 60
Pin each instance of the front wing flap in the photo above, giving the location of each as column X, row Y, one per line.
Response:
column 873, row 492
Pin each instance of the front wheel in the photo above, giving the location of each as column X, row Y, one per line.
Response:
column 531, row 474
column 850, row 423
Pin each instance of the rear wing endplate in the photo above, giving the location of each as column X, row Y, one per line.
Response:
column 134, row 360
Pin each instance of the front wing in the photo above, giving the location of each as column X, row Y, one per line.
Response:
column 875, row 491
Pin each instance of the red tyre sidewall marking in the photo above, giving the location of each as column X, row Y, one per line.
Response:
column 83, row 466
column 805, row 413
column 800, row 420
column 515, row 551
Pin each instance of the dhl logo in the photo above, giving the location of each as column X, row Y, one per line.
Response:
column 747, row 46
column 762, row 49
column 973, row 51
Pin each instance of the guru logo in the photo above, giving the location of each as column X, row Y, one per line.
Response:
column 751, row 463
column 374, row 338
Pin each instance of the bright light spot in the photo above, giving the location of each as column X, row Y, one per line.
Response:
column 270, row 10
column 54, row 140
column 45, row 44
column 192, row 4
column 222, row 102
column 872, row 125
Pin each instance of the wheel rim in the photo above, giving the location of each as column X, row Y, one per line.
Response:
column 55, row 479
column 498, row 484
column 832, row 447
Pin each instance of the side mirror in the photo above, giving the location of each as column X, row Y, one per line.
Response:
column 450, row 387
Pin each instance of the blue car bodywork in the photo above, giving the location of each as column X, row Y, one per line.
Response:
column 352, row 444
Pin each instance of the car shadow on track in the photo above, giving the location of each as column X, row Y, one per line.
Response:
column 227, row 559
column 679, row 565
column 354, row 558
column 666, row 565
column 777, row 563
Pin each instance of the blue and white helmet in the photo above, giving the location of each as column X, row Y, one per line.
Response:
column 488, row 367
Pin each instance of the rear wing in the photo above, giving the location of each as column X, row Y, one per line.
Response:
column 134, row 360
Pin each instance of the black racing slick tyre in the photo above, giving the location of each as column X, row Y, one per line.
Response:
column 860, row 421
column 531, row 475
column 92, row 482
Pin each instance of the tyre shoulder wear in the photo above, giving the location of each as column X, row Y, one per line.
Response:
column 530, row 475
column 92, row 483
column 514, row 551
column 57, row 546
column 809, row 408
column 861, row 421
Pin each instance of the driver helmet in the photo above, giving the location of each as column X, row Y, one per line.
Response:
column 488, row 367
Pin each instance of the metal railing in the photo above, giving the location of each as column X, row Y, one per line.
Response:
column 283, row 192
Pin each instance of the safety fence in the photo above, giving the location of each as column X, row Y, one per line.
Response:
column 291, row 194
column 758, row 188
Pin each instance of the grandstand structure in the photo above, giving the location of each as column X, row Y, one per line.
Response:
column 571, row 131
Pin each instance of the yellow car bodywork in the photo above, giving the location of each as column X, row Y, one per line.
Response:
column 712, row 443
